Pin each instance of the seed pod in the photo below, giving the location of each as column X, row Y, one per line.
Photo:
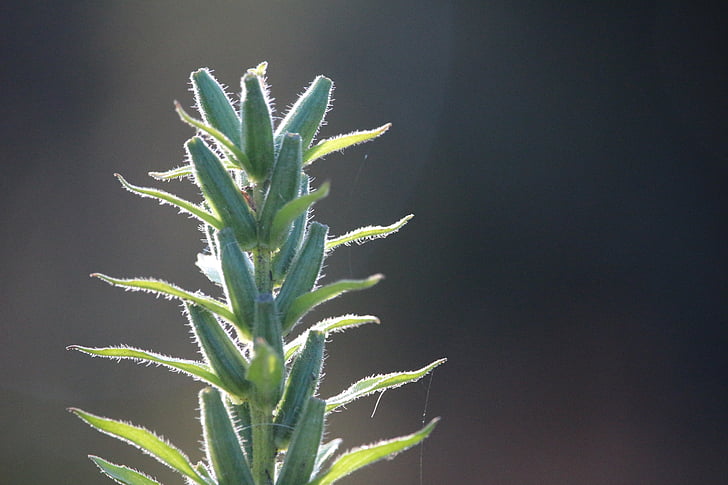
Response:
column 220, row 352
column 289, row 248
column 305, row 267
column 257, row 126
column 300, row 386
column 224, row 451
column 240, row 289
column 301, row 455
column 215, row 106
column 284, row 185
column 221, row 193
column 240, row 414
column 308, row 112
column 266, row 375
column 268, row 323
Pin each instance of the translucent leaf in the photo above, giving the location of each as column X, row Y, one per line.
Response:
column 325, row 452
column 366, row 455
column 145, row 440
column 122, row 474
column 186, row 171
column 166, row 197
column 306, row 302
column 210, row 267
column 190, row 367
column 224, row 142
column 330, row 325
column 266, row 374
column 172, row 291
column 374, row 384
column 334, row 144
column 289, row 212
column 367, row 233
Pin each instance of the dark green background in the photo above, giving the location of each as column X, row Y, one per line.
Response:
column 567, row 169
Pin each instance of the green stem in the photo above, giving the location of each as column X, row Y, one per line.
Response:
column 264, row 451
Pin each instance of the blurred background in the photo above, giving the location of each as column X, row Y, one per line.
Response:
column 567, row 169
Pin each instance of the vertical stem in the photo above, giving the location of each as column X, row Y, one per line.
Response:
column 264, row 450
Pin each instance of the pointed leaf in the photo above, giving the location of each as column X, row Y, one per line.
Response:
column 224, row 450
column 307, row 114
column 221, row 193
column 145, row 440
column 230, row 149
column 166, row 289
column 330, row 325
column 366, row 455
column 167, row 198
column 214, row 104
column 289, row 212
column 122, row 474
column 324, row 147
column 306, row 302
column 190, row 367
column 373, row 384
column 301, row 456
column 325, row 452
column 257, row 126
column 364, row 234
column 186, row 171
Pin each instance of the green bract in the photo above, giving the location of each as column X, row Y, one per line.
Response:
column 262, row 419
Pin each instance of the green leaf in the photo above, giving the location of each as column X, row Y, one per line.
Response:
column 325, row 452
column 224, row 450
column 167, row 198
column 305, row 268
column 257, row 126
column 301, row 456
column 145, row 440
column 214, row 104
column 221, row 193
column 122, row 474
column 226, row 145
column 373, row 384
column 337, row 143
column 190, row 367
column 307, row 114
column 224, row 357
column 186, row 171
column 289, row 212
column 166, row 289
column 284, row 186
column 300, row 386
column 307, row 301
column 358, row 458
column 330, row 325
column 367, row 233
column 240, row 289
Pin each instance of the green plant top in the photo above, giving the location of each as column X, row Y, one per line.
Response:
column 261, row 415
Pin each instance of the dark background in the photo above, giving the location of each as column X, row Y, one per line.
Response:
column 567, row 168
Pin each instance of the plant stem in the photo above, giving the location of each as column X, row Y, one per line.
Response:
column 263, row 446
